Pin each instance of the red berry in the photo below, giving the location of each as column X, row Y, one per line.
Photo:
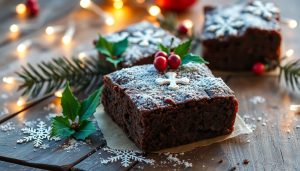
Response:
column 34, row 10
column 174, row 61
column 258, row 68
column 161, row 53
column 182, row 29
column 160, row 63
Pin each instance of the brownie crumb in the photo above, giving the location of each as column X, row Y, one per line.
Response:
column 245, row 162
column 221, row 161
column 233, row 168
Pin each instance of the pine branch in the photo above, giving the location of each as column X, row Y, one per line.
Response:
column 291, row 74
column 48, row 77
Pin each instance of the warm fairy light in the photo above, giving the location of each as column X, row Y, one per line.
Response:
column 14, row 28
column 21, row 101
column 23, row 47
column 85, row 3
column 20, row 9
column 188, row 23
column 58, row 93
column 154, row 10
column 289, row 53
column 118, row 4
column 294, row 107
column 110, row 20
column 292, row 23
column 140, row 1
column 49, row 30
column 8, row 80
column 66, row 40
column 68, row 36
column 82, row 56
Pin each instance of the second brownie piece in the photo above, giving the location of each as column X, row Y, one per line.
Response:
column 236, row 37
column 164, row 110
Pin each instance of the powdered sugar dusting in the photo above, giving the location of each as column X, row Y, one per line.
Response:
column 143, row 40
column 139, row 83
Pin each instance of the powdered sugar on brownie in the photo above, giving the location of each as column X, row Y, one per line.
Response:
column 143, row 39
column 139, row 83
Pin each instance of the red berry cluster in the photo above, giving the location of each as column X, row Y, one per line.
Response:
column 162, row 60
column 32, row 7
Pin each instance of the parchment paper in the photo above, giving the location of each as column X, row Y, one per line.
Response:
column 117, row 139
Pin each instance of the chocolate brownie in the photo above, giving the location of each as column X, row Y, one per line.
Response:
column 236, row 37
column 158, row 111
column 144, row 39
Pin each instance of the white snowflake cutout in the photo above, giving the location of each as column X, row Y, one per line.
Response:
column 258, row 8
column 222, row 25
column 37, row 135
column 116, row 37
column 125, row 156
column 172, row 80
column 147, row 37
column 132, row 54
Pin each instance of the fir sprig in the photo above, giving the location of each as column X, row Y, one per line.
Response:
column 75, row 119
column 291, row 74
column 47, row 77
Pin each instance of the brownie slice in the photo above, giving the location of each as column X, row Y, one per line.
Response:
column 236, row 37
column 144, row 39
column 156, row 114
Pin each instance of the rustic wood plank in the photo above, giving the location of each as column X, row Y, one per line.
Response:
column 15, row 167
column 54, row 157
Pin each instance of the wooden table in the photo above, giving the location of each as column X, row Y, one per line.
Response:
column 274, row 144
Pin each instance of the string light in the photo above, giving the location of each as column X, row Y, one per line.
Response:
column 58, row 93
column 68, row 36
column 21, row 9
column 14, row 28
column 154, row 10
column 118, row 4
column 82, row 56
column 291, row 23
column 24, row 46
column 289, row 53
column 21, row 101
column 50, row 30
column 140, row 1
column 110, row 20
column 188, row 23
column 85, row 3
column 8, row 80
column 294, row 107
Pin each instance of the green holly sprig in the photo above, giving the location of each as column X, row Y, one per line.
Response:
column 112, row 50
column 182, row 50
column 74, row 121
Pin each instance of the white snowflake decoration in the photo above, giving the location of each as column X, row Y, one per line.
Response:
column 125, row 156
column 222, row 25
column 37, row 135
column 258, row 8
column 9, row 126
column 172, row 80
column 116, row 37
column 147, row 37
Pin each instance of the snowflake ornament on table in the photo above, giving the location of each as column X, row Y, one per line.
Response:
column 172, row 80
column 37, row 135
column 222, row 25
column 258, row 8
column 147, row 37
column 125, row 156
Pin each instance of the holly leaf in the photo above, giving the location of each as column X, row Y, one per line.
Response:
column 113, row 61
column 183, row 49
column 89, row 105
column 120, row 47
column 193, row 58
column 105, row 47
column 69, row 103
column 61, row 127
column 85, row 129
column 163, row 48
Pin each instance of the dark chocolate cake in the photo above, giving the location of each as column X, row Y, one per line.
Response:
column 144, row 39
column 236, row 37
column 158, row 111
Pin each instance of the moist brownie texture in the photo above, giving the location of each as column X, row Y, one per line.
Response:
column 144, row 39
column 236, row 37
column 156, row 114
